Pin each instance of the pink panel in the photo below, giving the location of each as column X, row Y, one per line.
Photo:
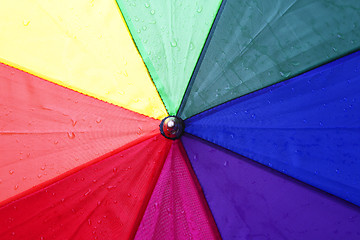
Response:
column 177, row 208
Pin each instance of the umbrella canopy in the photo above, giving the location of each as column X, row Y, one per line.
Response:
column 179, row 119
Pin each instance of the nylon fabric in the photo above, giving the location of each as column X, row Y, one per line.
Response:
column 103, row 201
column 170, row 36
column 250, row 201
column 83, row 45
column 307, row 127
column 177, row 208
column 258, row 43
column 47, row 130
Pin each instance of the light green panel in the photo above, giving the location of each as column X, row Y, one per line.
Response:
column 170, row 35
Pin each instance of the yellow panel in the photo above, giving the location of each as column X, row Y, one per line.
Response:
column 81, row 44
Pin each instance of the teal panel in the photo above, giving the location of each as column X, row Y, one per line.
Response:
column 170, row 36
column 261, row 42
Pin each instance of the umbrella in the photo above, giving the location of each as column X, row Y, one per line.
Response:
column 179, row 119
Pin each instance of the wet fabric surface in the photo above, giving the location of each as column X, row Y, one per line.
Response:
column 253, row 202
column 307, row 127
column 258, row 43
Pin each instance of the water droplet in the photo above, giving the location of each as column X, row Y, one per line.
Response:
column 225, row 163
column 98, row 203
column 26, row 23
column 39, row 176
column 16, row 186
column 136, row 19
column 147, row 5
column 253, row 116
column 139, row 132
column 129, row 194
column 144, row 28
column 73, row 122
column 152, row 12
column 98, row 120
column 192, row 46
column 11, row 172
column 285, row 74
column 334, row 49
column 89, row 221
column 173, row 43
column 110, row 187
column 42, row 168
column 87, row 193
column 316, row 172
column 71, row 135
column 199, row 9
column 56, row 142
column 337, row 170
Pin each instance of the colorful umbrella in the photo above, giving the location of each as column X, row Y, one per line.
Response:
column 180, row 119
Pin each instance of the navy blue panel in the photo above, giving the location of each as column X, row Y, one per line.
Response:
column 307, row 127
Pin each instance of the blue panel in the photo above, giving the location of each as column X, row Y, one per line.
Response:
column 307, row 127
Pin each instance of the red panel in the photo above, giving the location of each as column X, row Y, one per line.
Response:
column 47, row 130
column 105, row 200
column 177, row 208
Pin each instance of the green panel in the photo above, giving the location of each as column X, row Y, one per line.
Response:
column 260, row 42
column 170, row 36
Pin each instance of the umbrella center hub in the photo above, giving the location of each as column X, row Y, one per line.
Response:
column 172, row 127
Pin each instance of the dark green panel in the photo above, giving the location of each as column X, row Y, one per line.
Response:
column 260, row 42
column 170, row 35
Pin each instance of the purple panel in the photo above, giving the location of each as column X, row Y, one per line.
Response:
column 251, row 201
